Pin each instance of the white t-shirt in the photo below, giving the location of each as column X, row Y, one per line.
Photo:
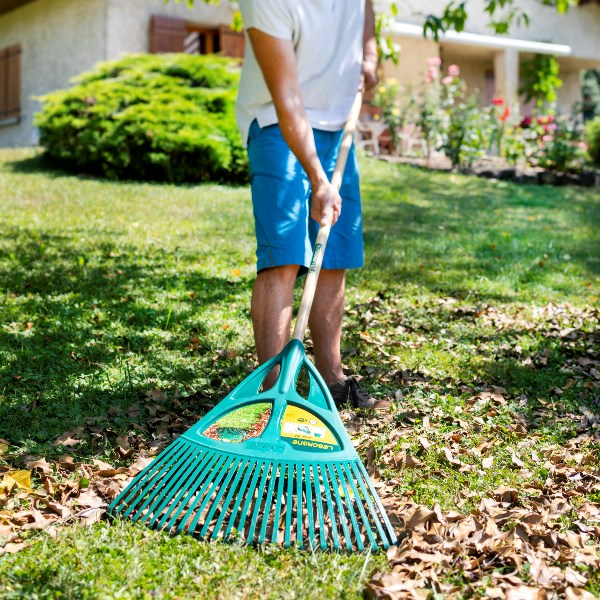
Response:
column 328, row 41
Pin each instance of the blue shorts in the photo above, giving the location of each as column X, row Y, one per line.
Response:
column 285, row 233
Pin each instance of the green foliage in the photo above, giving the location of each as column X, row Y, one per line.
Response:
column 395, row 114
column 149, row 117
column 467, row 136
column 540, row 79
column 560, row 148
column 592, row 136
column 590, row 91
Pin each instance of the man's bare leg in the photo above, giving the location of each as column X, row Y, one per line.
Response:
column 325, row 324
column 272, row 298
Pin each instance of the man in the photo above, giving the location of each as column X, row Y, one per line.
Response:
column 304, row 63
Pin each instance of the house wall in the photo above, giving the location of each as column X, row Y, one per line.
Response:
column 129, row 21
column 62, row 38
column 59, row 39
column 578, row 28
column 412, row 66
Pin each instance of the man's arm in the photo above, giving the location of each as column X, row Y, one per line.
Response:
column 370, row 64
column 277, row 61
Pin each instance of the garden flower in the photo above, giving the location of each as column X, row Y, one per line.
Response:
column 525, row 122
column 498, row 101
column 453, row 71
column 395, row 111
column 505, row 114
column 434, row 61
column 447, row 80
column 547, row 138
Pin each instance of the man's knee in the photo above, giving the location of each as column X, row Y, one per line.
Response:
column 284, row 275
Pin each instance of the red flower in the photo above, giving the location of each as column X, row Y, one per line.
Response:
column 505, row 114
column 498, row 101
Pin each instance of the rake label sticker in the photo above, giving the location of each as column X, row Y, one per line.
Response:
column 240, row 424
column 305, row 431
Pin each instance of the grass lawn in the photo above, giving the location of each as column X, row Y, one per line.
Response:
column 124, row 316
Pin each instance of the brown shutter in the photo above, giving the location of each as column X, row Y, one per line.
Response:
column 167, row 34
column 10, row 83
column 232, row 42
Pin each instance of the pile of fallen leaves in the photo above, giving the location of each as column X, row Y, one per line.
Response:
column 539, row 541
column 488, row 549
column 65, row 492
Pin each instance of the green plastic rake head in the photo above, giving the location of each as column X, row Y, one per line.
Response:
column 268, row 466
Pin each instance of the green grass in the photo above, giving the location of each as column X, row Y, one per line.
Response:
column 111, row 291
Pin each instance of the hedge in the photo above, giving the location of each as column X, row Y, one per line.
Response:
column 163, row 117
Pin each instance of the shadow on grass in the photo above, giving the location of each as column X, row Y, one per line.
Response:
column 88, row 327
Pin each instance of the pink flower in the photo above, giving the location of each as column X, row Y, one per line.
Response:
column 547, row 138
column 498, row 101
column 447, row 80
column 434, row 61
column 453, row 71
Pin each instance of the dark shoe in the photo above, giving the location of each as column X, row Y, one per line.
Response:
column 348, row 391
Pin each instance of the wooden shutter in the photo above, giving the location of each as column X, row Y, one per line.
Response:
column 232, row 42
column 10, row 83
column 167, row 34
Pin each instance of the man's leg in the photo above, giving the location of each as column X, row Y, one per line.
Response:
column 272, row 298
column 325, row 324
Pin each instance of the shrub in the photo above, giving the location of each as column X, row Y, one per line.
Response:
column 150, row 117
column 592, row 136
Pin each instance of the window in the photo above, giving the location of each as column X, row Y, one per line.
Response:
column 168, row 34
column 10, row 85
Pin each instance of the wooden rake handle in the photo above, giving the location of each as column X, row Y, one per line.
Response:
column 312, row 276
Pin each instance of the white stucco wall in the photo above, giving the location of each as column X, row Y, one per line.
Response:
column 59, row 39
column 578, row 28
column 129, row 21
column 62, row 38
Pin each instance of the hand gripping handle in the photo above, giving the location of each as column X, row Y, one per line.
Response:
column 312, row 277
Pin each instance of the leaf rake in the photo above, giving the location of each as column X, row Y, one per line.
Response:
column 268, row 466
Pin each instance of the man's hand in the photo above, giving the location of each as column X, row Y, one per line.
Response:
column 369, row 75
column 326, row 203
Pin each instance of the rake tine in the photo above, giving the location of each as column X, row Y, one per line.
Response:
column 140, row 481
column 351, row 512
column 299, row 502
column 340, row 506
column 189, row 500
column 223, row 469
column 361, row 509
column 308, row 488
column 258, row 502
column 263, row 529
column 289, row 505
column 153, row 488
column 240, row 496
column 319, row 503
column 230, row 493
column 232, row 471
column 382, row 512
column 249, row 495
column 278, row 502
column 174, row 476
column 330, row 509
column 189, row 484
column 367, row 495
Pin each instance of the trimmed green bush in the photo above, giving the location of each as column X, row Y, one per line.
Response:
column 163, row 117
column 592, row 136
